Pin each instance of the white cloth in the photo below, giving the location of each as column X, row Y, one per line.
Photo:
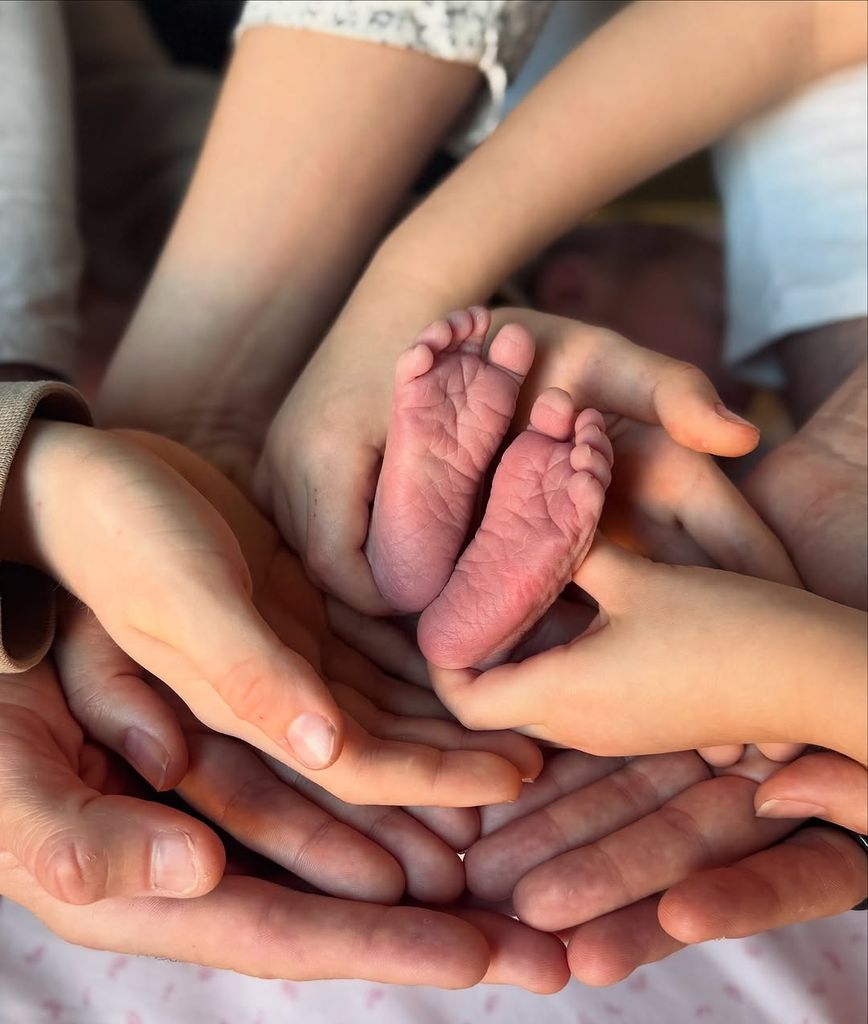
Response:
column 493, row 35
column 794, row 184
column 40, row 256
column 809, row 974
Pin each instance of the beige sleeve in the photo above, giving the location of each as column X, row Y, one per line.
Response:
column 27, row 596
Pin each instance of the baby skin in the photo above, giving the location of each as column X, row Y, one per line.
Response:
column 453, row 404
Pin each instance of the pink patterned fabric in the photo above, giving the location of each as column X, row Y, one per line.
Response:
column 809, row 974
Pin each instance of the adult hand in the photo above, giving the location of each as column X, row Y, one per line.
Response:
column 360, row 852
column 813, row 491
column 629, row 830
column 72, row 838
column 319, row 471
column 70, row 835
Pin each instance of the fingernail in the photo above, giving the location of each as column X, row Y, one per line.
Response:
column 312, row 739
column 147, row 755
column 173, row 864
column 727, row 414
column 527, row 782
column 789, row 809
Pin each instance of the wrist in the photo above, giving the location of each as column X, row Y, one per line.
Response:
column 821, row 694
column 35, row 487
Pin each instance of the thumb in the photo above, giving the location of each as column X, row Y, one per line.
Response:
column 611, row 574
column 207, row 641
column 107, row 693
column 822, row 785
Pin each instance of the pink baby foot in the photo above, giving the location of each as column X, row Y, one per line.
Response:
column 545, row 503
column 451, row 410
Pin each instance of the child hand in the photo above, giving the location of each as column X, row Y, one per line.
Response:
column 678, row 658
column 164, row 575
column 400, row 747
column 668, row 498
column 319, row 471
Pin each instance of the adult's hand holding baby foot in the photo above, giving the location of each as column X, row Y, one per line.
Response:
column 165, row 576
column 319, row 471
column 681, row 649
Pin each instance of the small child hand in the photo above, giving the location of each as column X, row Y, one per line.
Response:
column 678, row 658
column 165, row 577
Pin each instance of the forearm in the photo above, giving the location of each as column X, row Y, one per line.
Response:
column 812, row 682
column 657, row 82
column 315, row 141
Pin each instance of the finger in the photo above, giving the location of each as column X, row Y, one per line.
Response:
column 510, row 696
column 518, row 750
column 724, row 755
column 752, row 765
column 342, row 663
column 821, row 785
column 330, row 520
column 371, row 770
column 563, row 773
column 617, row 376
column 385, row 644
column 431, row 870
column 781, row 752
column 520, row 956
column 268, row 931
column 496, row 863
column 232, row 787
column 182, row 609
column 725, row 526
column 210, row 637
column 816, row 872
column 608, row 949
column 709, row 824
column 81, row 846
column 458, row 827
column 108, row 696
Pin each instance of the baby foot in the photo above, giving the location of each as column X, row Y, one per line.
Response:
column 451, row 410
column 545, row 502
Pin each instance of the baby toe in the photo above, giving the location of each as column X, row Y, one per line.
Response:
column 552, row 414
column 513, row 350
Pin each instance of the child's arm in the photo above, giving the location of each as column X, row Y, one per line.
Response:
column 680, row 658
column 655, row 83
column 315, row 141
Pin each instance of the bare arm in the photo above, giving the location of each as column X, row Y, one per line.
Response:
column 314, row 143
column 657, row 82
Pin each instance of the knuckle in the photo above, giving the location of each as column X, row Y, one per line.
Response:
column 71, row 868
column 248, row 690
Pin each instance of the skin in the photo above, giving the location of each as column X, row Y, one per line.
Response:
column 298, row 125
column 171, row 584
column 238, row 922
column 595, row 819
column 659, row 630
column 456, row 247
